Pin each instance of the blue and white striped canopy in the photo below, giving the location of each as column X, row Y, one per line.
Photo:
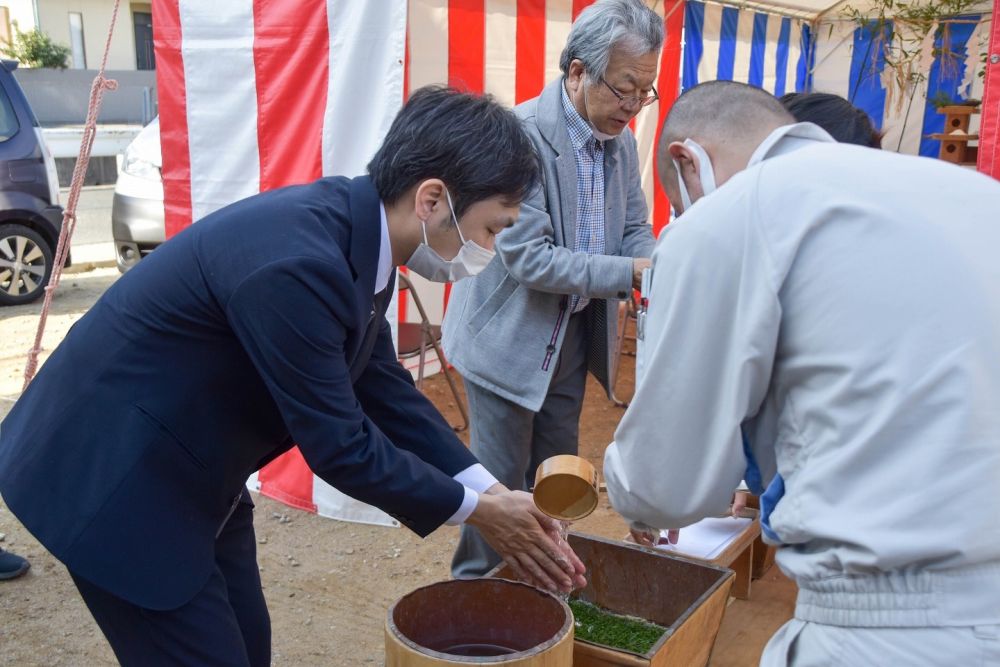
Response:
column 784, row 54
column 731, row 44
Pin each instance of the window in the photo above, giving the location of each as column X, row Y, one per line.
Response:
column 142, row 22
column 78, row 54
column 8, row 119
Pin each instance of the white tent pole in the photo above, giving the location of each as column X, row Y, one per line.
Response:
column 776, row 9
column 829, row 9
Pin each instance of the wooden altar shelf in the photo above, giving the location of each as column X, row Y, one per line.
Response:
column 955, row 139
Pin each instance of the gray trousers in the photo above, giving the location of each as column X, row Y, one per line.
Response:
column 511, row 441
column 803, row 644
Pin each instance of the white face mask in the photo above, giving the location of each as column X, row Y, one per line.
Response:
column 705, row 172
column 470, row 260
column 601, row 136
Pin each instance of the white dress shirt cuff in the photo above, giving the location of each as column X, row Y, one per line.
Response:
column 476, row 478
column 466, row 509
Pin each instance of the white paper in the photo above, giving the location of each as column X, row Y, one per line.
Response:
column 640, row 326
column 708, row 538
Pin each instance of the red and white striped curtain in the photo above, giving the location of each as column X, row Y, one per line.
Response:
column 259, row 94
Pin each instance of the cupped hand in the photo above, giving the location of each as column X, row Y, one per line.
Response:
column 521, row 534
column 556, row 535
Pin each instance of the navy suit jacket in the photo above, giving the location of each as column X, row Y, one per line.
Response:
column 252, row 329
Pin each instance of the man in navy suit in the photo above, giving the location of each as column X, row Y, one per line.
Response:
column 262, row 326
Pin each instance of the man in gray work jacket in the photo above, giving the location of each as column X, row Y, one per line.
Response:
column 525, row 331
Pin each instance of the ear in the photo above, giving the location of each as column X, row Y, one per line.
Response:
column 689, row 169
column 429, row 197
column 684, row 157
column 574, row 79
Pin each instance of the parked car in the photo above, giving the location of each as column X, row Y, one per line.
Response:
column 30, row 214
column 137, row 206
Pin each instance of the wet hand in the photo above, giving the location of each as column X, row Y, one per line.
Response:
column 520, row 533
column 556, row 531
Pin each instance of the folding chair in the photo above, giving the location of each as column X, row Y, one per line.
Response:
column 416, row 337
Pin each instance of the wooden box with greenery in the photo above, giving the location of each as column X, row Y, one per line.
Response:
column 685, row 598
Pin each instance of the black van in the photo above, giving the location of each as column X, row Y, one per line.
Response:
column 30, row 214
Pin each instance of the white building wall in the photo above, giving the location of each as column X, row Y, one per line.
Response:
column 53, row 19
column 21, row 11
column 53, row 16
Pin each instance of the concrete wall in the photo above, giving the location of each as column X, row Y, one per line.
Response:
column 61, row 97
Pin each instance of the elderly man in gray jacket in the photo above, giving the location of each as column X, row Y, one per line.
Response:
column 524, row 332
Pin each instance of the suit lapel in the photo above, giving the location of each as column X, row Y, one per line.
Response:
column 366, row 230
column 611, row 151
column 366, row 234
column 568, row 185
column 552, row 126
column 611, row 155
column 380, row 304
column 383, row 298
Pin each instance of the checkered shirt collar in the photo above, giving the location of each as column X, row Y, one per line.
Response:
column 579, row 130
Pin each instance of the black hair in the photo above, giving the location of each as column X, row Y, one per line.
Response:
column 471, row 142
column 845, row 122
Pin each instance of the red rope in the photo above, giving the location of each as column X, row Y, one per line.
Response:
column 101, row 84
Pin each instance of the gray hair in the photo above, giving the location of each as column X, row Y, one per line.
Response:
column 606, row 24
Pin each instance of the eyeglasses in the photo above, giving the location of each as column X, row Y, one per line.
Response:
column 632, row 101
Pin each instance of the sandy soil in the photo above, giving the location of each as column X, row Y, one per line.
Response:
column 328, row 584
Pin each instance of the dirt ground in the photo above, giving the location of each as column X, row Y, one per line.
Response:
column 328, row 584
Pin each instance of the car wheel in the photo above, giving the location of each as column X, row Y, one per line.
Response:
column 25, row 264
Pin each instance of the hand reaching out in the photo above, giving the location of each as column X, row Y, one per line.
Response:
column 638, row 264
column 739, row 503
column 648, row 536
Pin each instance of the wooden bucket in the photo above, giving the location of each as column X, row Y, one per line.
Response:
column 566, row 487
column 479, row 622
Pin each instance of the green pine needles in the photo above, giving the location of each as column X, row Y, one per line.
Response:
column 599, row 626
